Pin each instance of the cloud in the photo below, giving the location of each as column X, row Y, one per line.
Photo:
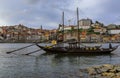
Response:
column 3, row 23
column 34, row 13
column 31, row 1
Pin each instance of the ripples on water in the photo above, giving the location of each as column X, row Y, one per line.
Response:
column 41, row 65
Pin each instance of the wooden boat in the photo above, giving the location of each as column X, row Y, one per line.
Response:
column 78, row 50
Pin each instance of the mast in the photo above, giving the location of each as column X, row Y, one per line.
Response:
column 78, row 26
column 41, row 33
column 63, row 24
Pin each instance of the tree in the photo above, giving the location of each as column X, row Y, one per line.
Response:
column 80, row 30
column 90, row 30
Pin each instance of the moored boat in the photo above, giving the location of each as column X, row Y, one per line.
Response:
column 78, row 50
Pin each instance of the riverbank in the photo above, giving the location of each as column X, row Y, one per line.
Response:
column 20, row 41
column 45, row 41
column 101, row 71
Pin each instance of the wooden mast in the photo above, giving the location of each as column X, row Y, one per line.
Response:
column 41, row 34
column 78, row 27
column 63, row 25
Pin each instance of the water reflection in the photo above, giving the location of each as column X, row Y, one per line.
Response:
column 60, row 65
column 79, row 60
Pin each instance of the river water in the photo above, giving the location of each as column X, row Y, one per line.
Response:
column 41, row 65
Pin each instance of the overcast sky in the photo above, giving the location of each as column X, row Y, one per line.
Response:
column 34, row 13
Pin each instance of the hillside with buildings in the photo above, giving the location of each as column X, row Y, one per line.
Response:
column 89, row 32
column 21, row 33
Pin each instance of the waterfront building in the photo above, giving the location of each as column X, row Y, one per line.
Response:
column 69, row 32
column 111, row 26
column 94, row 38
column 100, row 30
column 66, row 28
column 106, row 39
column 113, row 31
column 117, row 37
column 83, row 38
column 85, row 23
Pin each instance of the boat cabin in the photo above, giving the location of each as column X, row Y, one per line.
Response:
column 73, row 45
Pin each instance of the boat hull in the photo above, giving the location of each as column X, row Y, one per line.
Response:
column 75, row 50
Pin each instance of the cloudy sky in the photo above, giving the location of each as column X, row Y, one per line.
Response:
column 34, row 13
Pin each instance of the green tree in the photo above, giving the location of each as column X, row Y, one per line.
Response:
column 90, row 31
column 80, row 30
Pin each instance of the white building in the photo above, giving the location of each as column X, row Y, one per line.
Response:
column 66, row 28
column 114, row 31
column 84, row 27
column 85, row 23
column 100, row 30
column 1, row 30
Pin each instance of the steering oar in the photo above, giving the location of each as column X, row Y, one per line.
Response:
column 19, row 49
